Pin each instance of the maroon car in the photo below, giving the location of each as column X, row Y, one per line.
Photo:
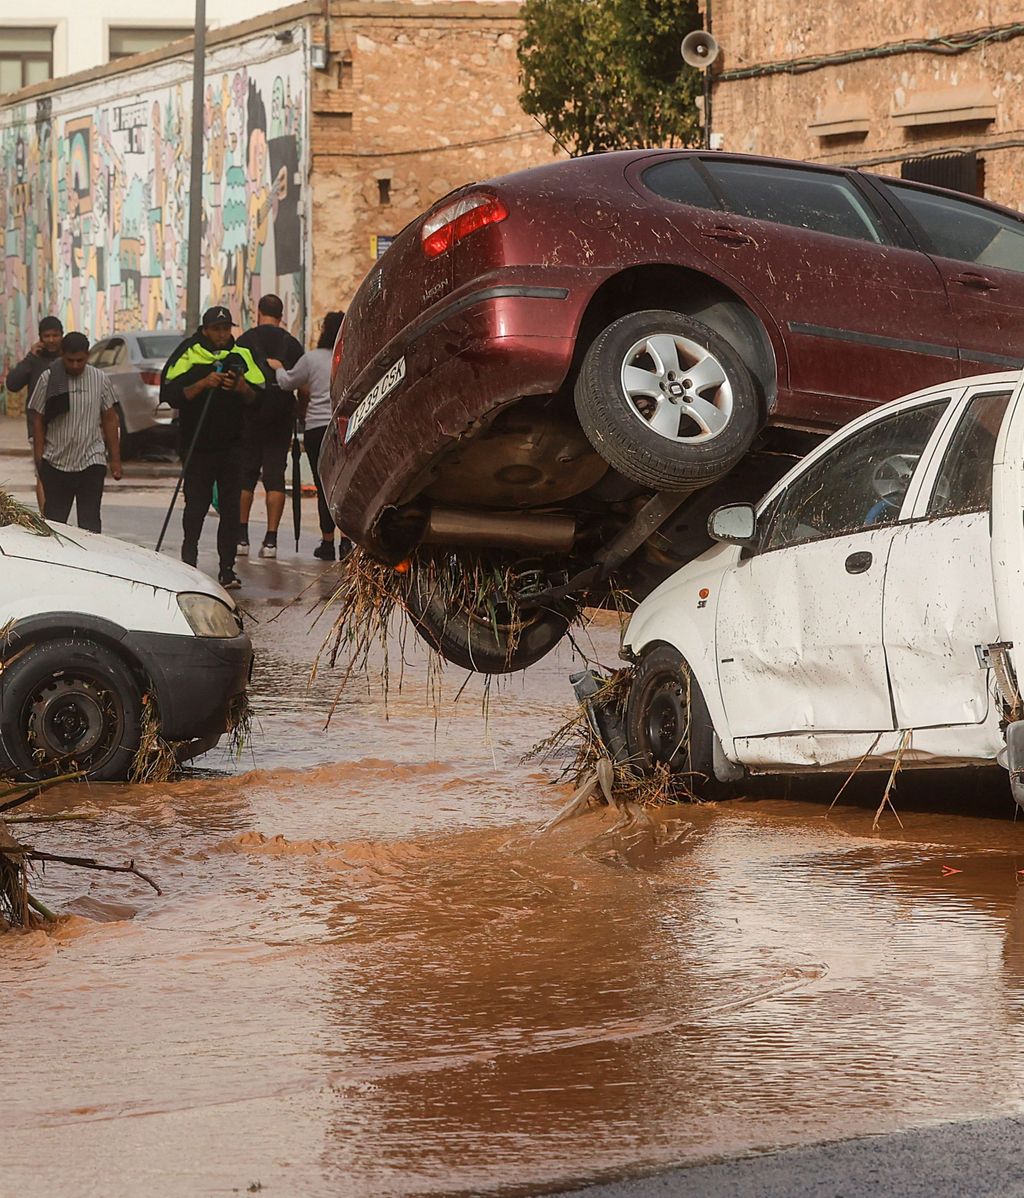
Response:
column 554, row 372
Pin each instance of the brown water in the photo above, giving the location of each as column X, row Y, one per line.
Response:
column 369, row 974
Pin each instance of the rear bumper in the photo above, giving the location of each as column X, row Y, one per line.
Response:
column 194, row 678
column 463, row 363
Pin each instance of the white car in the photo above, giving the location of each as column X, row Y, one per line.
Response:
column 92, row 627
column 873, row 602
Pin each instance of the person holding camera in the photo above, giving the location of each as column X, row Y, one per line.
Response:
column 211, row 380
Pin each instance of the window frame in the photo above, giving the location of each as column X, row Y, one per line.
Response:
column 170, row 29
column 926, row 467
column 26, row 56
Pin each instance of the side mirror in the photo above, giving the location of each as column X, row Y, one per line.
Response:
column 735, row 524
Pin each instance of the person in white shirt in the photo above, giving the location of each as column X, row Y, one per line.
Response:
column 311, row 377
column 74, row 426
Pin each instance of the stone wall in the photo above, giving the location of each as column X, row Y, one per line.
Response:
column 775, row 114
column 414, row 103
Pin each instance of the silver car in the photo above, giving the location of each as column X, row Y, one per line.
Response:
column 133, row 362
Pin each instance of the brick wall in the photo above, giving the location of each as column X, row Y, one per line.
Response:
column 413, row 104
column 773, row 114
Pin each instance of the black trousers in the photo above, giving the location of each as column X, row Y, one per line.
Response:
column 312, row 439
column 206, row 467
column 83, row 488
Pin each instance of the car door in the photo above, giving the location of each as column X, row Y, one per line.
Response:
column 799, row 622
column 979, row 251
column 1008, row 529
column 864, row 313
column 939, row 593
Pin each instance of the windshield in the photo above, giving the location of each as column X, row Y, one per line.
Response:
column 160, row 345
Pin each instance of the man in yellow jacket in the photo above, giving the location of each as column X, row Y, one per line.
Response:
column 211, row 380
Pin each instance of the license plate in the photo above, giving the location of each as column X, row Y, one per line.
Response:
column 377, row 394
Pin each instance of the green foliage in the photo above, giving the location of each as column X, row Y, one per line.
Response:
column 607, row 75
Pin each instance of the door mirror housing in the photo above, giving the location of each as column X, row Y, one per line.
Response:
column 735, row 524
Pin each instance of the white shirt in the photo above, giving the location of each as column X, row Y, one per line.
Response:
column 312, row 370
column 74, row 440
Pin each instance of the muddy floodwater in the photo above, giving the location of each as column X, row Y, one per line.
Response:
column 370, row 974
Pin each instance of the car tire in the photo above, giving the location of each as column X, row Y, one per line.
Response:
column 466, row 639
column 129, row 441
column 668, row 723
column 674, row 415
column 69, row 704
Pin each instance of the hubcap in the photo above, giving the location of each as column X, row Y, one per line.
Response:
column 677, row 387
column 666, row 722
column 71, row 719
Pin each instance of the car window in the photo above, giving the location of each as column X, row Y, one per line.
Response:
column 96, row 353
column 969, row 232
column 964, row 483
column 859, row 484
column 160, row 345
column 806, row 199
column 678, row 180
column 117, row 354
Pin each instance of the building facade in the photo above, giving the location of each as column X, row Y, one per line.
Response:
column 928, row 90
column 325, row 132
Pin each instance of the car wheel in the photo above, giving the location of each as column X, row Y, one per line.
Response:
column 667, row 721
column 129, row 441
column 666, row 401
column 492, row 638
column 69, row 705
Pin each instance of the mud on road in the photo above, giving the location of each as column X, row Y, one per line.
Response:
column 369, row 974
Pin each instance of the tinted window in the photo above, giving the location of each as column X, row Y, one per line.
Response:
column 859, row 484
column 158, row 346
column 965, row 479
column 678, row 180
column 814, row 200
column 960, row 229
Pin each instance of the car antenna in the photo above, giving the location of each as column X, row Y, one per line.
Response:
column 554, row 137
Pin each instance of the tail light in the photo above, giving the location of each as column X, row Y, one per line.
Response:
column 448, row 225
column 336, row 356
column 151, row 378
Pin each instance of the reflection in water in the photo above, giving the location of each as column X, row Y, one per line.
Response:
column 369, row 974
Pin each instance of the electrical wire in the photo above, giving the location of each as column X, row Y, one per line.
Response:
column 950, row 44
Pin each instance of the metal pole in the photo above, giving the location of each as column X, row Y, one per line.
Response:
column 707, row 81
column 195, row 190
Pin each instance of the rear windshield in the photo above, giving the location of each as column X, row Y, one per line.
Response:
column 159, row 346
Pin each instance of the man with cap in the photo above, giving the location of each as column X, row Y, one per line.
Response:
column 26, row 373
column 211, row 380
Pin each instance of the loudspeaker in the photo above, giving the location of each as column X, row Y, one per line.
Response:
column 699, row 49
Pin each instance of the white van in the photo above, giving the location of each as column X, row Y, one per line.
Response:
column 92, row 629
column 871, row 604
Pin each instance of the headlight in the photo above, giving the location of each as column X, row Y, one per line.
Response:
column 208, row 616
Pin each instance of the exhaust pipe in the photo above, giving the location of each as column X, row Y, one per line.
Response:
column 539, row 532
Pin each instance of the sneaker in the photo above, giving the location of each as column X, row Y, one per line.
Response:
column 324, row 552
column 242, row 549
column 268, row 550
column 229, row 580
column 189, row 555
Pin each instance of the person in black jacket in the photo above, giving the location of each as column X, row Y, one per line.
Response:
column 27, row 372
column 211, row 379
column 269, row 427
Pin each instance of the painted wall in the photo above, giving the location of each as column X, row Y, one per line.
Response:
column 94, row 196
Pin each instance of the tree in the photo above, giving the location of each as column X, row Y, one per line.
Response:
column 607, row 74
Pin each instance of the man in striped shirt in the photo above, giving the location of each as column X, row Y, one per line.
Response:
column 73, row 414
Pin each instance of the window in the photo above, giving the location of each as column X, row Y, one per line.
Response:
column 965, row 231
column 965, row 480
column 860, row 484
column 384, row 191
column 805, row 199
column 97, row 352
column 125, row 40
column 159, row 345
column 957, row 172
column 110, row 353
column 26, row 57
column 679, row 181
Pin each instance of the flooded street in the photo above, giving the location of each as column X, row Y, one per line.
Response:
column 370, row 974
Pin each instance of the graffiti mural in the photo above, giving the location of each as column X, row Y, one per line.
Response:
column 94, row 199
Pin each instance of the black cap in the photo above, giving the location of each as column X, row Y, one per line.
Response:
column 50, row 324
column 218, row 314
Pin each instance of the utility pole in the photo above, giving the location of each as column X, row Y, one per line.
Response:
column 194, row 266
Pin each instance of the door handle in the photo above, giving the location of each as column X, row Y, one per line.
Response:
column 727, row 235
column 858, row 563
column 976, row 281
